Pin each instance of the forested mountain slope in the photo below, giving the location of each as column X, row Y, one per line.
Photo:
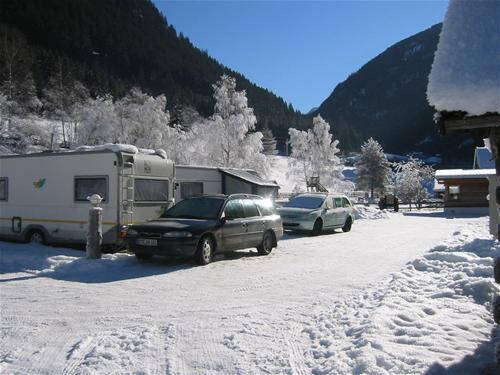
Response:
column 112, row 45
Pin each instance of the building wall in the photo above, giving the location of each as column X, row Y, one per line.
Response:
column 473, row 193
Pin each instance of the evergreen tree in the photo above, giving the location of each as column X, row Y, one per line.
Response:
column 373, row 167
column 269, row 142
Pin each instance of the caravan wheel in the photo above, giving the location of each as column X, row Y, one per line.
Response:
column 35, row 236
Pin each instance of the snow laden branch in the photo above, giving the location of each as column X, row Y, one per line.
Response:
column 410, row 179
column 226, row 139
column 373, row 168
column 314, row 153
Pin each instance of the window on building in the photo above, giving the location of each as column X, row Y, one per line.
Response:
column 147, row 190
column 4, row 188
column 191, row 189
column 86, row 186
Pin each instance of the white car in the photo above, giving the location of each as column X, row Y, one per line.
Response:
column 314, row 212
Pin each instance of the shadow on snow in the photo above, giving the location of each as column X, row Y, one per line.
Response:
column 481, row 362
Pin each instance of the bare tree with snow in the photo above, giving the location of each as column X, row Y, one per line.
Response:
column 410, row 178
column 315, row 153
column 142, row 120
column 373, row 168
column 227, row 138
column 97, row 121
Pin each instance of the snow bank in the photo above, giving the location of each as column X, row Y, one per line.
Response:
column 429, row 315
column 110, row 352
column 369, row 212
column 465, row 75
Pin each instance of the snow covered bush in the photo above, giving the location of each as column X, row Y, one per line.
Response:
column 314, row 153
column 373, row 168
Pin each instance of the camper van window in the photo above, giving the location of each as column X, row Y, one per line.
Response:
column 191, row 189
column 86, row 186
column 4, row 188
column 150, row 190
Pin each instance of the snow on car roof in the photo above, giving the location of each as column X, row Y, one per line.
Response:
column 443, row 174
column 465, row 75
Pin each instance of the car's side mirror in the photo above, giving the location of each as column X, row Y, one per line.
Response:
column 223, row 220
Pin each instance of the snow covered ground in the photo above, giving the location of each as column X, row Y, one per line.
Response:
column 408, row 294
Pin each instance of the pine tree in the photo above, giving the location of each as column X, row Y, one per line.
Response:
column 269, row 142
column 373, row 167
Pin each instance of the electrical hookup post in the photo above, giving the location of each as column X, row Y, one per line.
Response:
column 94, row 235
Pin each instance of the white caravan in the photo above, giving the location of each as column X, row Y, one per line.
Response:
column 43, row 197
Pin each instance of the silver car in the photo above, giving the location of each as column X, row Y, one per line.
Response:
column 314, row 212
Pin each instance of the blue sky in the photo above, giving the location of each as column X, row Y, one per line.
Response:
column 300, row 50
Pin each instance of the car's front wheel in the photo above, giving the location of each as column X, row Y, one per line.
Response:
column 267, row 243
column 317, row 228
column 205, row 251
column 347, row 226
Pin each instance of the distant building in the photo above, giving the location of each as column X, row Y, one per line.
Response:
column 465, row 190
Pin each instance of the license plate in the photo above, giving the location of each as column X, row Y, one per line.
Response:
column 147, row 242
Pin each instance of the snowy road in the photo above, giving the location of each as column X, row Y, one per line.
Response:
column 243, row 314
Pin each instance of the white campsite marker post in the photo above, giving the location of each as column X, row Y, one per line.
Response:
column 94, row 235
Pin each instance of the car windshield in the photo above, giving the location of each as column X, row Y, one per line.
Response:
column 196, row 208
column 305, row 202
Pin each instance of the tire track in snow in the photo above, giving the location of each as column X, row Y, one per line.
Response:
column 196, row 349
column 77, row 354
column 295, row 355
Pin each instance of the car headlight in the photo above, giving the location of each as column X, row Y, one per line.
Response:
column 132, row 232
column 177, row 234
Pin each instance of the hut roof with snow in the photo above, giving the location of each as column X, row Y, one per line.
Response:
column 465, row 75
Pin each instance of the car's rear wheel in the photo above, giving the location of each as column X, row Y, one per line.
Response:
column 347, row 226
column 205, row 252
column 267, row 243
column 317, row 228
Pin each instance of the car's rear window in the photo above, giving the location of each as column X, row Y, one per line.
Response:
column 346, row 203
column 250, row 208
column 266, row 206
column 196, row 208
column 305, row 202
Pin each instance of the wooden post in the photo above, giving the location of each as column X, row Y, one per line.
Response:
column 94, row 235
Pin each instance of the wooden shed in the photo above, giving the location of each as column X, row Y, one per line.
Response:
column 466, row 190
